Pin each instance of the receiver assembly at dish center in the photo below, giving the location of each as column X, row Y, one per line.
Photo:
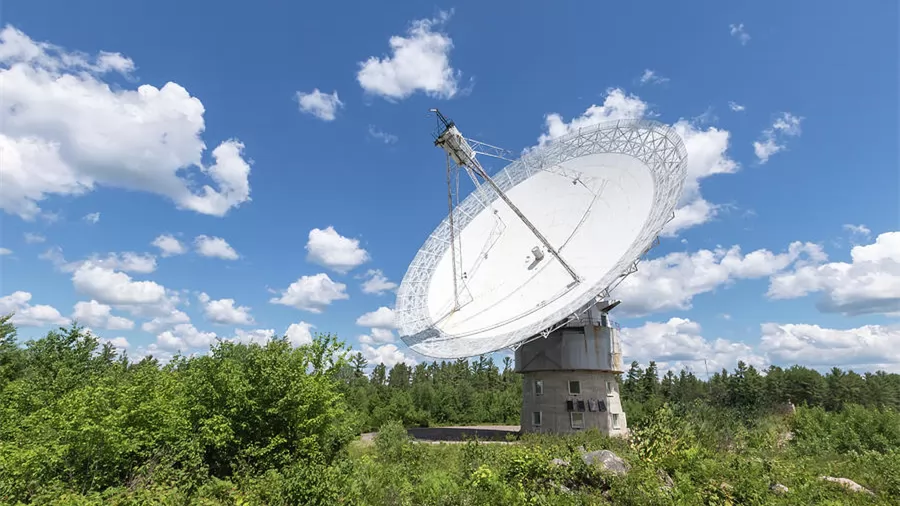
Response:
column 530, row 258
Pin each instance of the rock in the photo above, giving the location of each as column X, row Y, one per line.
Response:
column 562, row 488
column 847, row 483
column 668, row 482
column 779, row 489
column 606, row 460
column 559, row 462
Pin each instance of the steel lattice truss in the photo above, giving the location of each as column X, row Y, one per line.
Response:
column 654, row 144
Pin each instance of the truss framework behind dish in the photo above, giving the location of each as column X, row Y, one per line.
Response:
column 654, row 144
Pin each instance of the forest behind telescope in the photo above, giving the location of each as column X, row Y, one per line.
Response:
column 81, row 423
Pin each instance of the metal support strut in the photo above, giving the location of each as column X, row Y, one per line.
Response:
column 462, row 153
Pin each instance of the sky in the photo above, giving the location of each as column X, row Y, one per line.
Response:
column 174, row 173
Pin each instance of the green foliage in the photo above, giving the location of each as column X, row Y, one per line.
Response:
column 272, row 425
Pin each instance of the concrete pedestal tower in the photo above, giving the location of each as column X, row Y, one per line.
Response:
column 570, row 378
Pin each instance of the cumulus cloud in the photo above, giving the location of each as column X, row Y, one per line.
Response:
column 312, row 293
column 381, row 318
column 330, row 249
column 706, row 149
column 382, row 136
column 27, row 315
column 166, row 321
column 679, row 343
column 169, row 246
column 256, row 336
column 66, row 131
column 738, row 32
column 118, row 289
column 419, row 61
column 387, row 354
column 671, row 282
column 773, row 139
column 5, row 251
column 31, row 238
column 736, row 107
column 869, row 346
column 92, row 218
column 215, row 247
column 184, row 336
column 377, row 283
column 95, row 314
column 224, row 312
column 377, row 335
column 651, row 77
column 319, row 104
column 299, row 333
column 868, row 284
column 858, row 230
column 128, row 261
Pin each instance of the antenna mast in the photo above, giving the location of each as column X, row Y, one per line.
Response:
column 458, row 148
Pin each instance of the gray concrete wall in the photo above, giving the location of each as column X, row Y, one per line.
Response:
column 555, row 416
column 589, row 354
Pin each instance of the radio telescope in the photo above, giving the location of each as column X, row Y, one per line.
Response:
column 528, row 261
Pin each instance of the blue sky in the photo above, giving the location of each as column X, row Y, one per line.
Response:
column 813, row 85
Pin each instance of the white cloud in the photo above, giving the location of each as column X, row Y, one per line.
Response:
column 128, row 261
column 706, row 149
column 215, row 247
column 184, row 335
column 678, row 343
column 95, row 314
column 169, row 245
column 312, row 293
column 321, row 105
column 119, row 290
column 739, row 33
column 377, row 335
column 616, row 105
column 377, row 283
column 27, row 315
column 257, row 336
column 92, row 217
column 671, row 282
column 5, row 251
column 382, row 136
column 420, row 61
column 299, row 333
column 224, row 312
column 381, row 318
column 874, row 346
column 66, row 131
column 160, row 323
column 651, row 77
column 119, row 343
column 330, row 249
column 387, row 354
column 869, row 284
column 31, row 238
column 773, row 140
column 734, row 106
column 861, row 230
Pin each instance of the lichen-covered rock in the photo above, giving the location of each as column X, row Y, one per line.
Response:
column 847, row 484
column 607, row 460
column 779, row 489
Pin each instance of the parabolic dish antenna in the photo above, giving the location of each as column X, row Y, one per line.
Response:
column 542, row 240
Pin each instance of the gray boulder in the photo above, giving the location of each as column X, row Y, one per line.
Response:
column 606, row 460
column 847, row 484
